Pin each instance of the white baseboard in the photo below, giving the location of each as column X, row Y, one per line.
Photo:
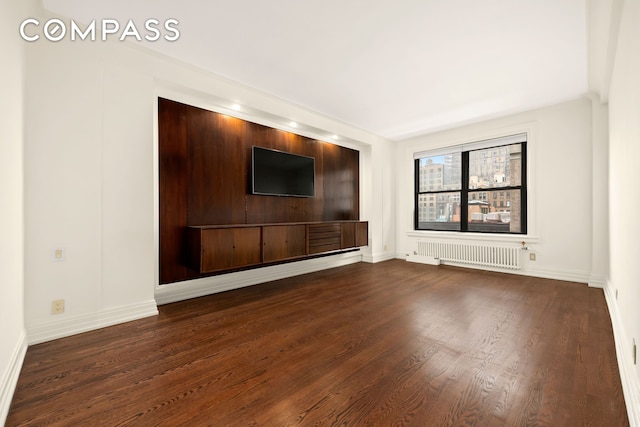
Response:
column 555, row 274
column 597, row 281
column 630, row 382
column 71, row 325
column 10, row 376
column 180, row 291
column 379, row 257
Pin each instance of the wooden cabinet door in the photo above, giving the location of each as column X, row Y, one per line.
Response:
column 362, row 233
column 282, row 242
column 228, row 248
column 348, row 235
column 216, row 249
column 247, row 246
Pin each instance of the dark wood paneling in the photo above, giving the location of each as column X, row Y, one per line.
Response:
column 387, row 344
column 217, row 169
column 173, row 195
column 341, row 181
column 194, row 248
column 205, row 179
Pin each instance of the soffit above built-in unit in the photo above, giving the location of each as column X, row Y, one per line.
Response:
column 396, row 69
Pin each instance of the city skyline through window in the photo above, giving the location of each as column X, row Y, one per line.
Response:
column 477, row 190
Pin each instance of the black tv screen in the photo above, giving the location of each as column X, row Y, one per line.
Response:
column 276, row 173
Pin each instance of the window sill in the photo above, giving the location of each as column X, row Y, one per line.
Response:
column 470, row 236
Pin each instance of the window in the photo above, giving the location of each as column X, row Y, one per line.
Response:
column 479, row 187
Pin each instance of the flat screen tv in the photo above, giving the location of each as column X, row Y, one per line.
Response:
column 276, row 173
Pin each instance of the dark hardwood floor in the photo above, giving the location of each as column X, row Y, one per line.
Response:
column 388, row 344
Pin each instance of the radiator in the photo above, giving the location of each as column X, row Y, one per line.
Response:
column 490, row 256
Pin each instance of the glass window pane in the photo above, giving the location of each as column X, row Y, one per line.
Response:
column 439, row 211
column 495, row 167
column 501, row 215
column 440, row 173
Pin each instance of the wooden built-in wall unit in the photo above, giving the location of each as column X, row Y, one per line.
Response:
column 211, row 222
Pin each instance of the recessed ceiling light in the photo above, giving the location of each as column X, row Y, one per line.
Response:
column 293, row 124
column 334, row 136
column 236, row 107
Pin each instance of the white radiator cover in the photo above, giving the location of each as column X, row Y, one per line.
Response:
column 465, row 253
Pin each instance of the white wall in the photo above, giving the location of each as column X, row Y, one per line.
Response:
column 91, row 177
column 88, row 190
column 559, row 183
column 12, row 338
column 599, row 201
column 624, row 207
column 380, row 181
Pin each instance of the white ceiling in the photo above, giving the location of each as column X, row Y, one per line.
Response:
column 395, row 68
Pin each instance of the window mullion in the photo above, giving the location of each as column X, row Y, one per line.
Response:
column 464, row 193
column 416, row 201
column 523, row 190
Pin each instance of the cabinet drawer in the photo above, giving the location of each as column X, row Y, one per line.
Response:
column 324, row 238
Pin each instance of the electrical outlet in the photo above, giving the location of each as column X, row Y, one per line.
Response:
column 634, row 351
column 532, row 256
column 58, row 255
column 57, row 306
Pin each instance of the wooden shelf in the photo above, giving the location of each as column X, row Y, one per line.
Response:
column 216, row 248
